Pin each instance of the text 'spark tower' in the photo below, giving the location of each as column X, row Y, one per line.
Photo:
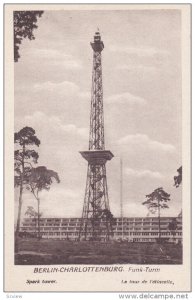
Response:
column 96, row 220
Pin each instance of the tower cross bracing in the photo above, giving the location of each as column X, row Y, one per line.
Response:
column 96, row 217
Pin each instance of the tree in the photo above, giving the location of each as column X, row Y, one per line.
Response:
column 155, row 202
column 178, row 178
column 173, row 226
column 24, row 24
column 41, row 179
column 23, row 159
column 31, row 213
column 108, row 217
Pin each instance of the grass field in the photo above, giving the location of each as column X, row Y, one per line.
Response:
column 47, row 252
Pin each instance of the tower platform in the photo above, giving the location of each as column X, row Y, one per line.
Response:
column 97, row 157
column 97, row 45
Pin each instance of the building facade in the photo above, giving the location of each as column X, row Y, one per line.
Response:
column 144, row 229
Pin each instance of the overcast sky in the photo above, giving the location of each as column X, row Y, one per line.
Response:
column 142, row 104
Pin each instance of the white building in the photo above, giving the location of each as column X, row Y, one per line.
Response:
column 144, row 229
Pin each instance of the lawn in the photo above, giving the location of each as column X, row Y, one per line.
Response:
column 51, row 252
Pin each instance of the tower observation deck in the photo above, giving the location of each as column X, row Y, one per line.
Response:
column 96, row 217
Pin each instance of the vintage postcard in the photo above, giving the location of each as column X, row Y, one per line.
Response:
column 97, row 148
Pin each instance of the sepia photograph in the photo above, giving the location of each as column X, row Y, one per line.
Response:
column 98, row 126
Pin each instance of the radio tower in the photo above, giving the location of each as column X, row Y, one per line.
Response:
column 96, row 222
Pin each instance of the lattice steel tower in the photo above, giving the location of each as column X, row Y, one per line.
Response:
column 96, row 220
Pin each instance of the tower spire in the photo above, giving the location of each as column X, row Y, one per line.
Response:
column 96, row 223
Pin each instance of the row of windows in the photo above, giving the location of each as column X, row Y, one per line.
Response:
column 63, row 234
column 75, row 228
column 115, row 232
column 147, row 234
column 47, row 229
column 58, row 234
column 146, row 219
column 70, row 234
column 73, row 220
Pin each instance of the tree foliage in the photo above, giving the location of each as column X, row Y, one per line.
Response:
column 31, row 212
column 26, row 136
column 157, row 200
column 109, row 218
column 106, row 213
column 23, row 156
column 173, row 225
column 24, row 25
column 178, row 178
column 41, row 178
